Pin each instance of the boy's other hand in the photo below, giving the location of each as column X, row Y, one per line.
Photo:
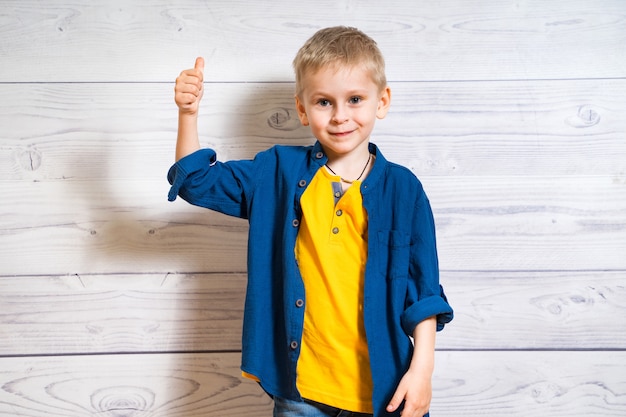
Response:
column 189, row 88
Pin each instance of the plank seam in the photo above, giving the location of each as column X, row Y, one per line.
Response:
column 506, row 80
column 237, row 351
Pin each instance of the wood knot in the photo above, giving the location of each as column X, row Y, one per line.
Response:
column 123, row 401
column 29, row 159
column 282, row 118
column 546, row 392
column 586, row 116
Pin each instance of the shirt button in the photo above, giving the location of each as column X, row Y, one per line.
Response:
column 339, row 212
column 299, row 303
column 319, row 155
column 337, row 194
column 335, row 230
column 293, row 345
column 295, row 222
column 301, row 183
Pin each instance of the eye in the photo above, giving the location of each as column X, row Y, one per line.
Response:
column 355, row 100
column 323, row 102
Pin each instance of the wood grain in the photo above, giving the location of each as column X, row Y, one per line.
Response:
column 116, row 303
column 75, row 314
column 85, row 132
column 520, row 384
column 518, row 310
column 499, row 223
column 487, row 383
column 71, row 314
column 129, row 386
column 530, row 223
column 150, row 40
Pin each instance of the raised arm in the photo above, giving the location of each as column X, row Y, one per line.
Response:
column 188, row 93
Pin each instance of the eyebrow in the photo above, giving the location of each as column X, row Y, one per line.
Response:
column 351, row 93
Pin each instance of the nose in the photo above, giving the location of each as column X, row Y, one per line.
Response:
column 340, row 114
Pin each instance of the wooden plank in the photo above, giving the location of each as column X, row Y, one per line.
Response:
column 573, row 384
column 87, row 228
column 519, row 384
column 60, row 315
column 535, row 310
column 129, row 385
column 526, row 176
column 51, row 315
column 506, row 128
column 126, row 226
column 85, row 131
column 150, row 40
column 529, row 223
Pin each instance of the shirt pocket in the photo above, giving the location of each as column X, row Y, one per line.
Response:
column 394, row 253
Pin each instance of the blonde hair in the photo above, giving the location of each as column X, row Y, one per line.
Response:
column 340, row 45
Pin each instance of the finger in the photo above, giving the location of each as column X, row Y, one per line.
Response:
column 396, row 400
column 188, row 77
column 199, row 64
column 188, row 87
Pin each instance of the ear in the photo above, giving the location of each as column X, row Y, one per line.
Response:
column 384, row 102
column 301, row 112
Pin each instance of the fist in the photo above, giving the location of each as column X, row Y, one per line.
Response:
column 189, row 88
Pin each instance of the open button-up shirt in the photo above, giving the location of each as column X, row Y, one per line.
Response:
column 401, row 276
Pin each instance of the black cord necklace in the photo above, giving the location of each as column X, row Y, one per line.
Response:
column 369, row 158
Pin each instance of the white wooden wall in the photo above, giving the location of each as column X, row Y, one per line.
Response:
column 114, row 302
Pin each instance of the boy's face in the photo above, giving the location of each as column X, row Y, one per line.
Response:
column 341, row 105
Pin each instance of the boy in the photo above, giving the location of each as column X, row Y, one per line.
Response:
column 342, row 261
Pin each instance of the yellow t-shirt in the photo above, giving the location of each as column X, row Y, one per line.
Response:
column 331, row 249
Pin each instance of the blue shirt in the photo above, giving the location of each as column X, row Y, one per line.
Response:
column 401, row 275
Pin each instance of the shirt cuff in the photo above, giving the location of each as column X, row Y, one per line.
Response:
column 436, row 305
column 186, row 166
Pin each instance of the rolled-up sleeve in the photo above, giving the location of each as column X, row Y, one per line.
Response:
column 200, row 179
column 182, row 172
column 435, row 305
column 425, row 296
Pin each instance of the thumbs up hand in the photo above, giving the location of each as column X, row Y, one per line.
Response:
column 189, row 88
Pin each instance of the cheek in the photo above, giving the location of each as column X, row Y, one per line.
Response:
column 367, row 116
column 316, row 121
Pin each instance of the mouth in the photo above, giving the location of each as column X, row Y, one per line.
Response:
column 341, row 134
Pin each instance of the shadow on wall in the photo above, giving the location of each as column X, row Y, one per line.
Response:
column 127, row 224
column 92, row 210
column 140, row 274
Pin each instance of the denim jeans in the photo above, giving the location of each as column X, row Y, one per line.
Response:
column 289, row 408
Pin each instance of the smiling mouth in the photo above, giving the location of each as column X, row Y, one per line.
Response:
column 341, row 134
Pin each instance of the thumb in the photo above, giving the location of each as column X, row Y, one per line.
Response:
column 199, row 64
